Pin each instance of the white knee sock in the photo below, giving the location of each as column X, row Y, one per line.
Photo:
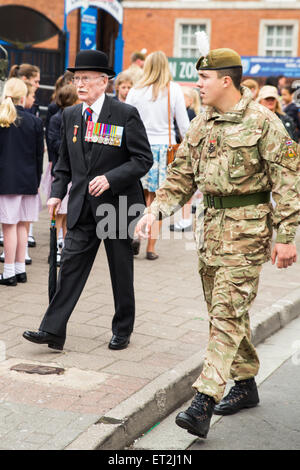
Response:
column 19, row 267
column 9, row 270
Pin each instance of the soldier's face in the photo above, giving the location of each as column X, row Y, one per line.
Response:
column 211, row 87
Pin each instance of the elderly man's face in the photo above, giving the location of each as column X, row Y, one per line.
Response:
column 90, row 85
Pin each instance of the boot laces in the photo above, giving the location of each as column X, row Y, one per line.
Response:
column 200, row 405
column 236, row 393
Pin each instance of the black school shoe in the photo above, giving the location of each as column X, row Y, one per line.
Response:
column 196, row 419
column 31, row 241
column 21, row 277
column 8, row 281
column 242, row 395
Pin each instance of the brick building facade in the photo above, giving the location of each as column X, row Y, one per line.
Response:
column 253, row 28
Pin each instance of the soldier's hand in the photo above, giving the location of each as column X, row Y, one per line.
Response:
column 143, row 227
column 285, row 253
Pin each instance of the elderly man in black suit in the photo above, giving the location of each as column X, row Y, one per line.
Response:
column 104, row 152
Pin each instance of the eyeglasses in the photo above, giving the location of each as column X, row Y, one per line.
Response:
column 85, row 79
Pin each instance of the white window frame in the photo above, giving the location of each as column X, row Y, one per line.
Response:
column 262, row 34
column 188, row 21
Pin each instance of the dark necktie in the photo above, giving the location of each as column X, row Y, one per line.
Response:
column 87, row 145
column 88, row 114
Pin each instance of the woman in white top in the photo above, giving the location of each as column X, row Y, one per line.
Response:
column 150, row 97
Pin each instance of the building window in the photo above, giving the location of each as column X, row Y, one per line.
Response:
column 185, row 40
column 279, row 39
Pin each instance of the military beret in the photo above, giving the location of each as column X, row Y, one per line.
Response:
column 218, row 59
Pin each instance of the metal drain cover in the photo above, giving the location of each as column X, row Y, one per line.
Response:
column 37, row 369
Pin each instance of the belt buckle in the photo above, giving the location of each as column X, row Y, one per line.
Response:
column 211, row 201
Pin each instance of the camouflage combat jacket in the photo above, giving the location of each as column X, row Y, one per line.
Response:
column 246, row 150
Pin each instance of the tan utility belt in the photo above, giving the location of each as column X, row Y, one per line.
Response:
column 235, row 200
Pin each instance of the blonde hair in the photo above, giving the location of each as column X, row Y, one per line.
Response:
column 123, row 77
column 14, row 90
column 193, row 94
column 156, row 72
column 250, row 83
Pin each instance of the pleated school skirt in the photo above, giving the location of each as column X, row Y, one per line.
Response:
column 16, row 208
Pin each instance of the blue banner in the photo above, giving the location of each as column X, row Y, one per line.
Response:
column 271, row 66
column 88, row 34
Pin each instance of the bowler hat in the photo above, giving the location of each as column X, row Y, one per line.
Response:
column 96, row 61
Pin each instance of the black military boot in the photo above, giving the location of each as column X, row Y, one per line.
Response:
column 243, row 394
column 196, row 418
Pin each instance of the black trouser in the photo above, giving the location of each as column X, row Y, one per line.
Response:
column 81, row 246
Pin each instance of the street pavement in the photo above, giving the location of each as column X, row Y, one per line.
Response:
column 105, row 399
column 273, row 425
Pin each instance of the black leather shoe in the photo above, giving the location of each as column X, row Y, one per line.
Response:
column 119, row 342
column 196, row 419
column 42, row 337
column 21, row 277
column 243, row 394
column 8, row 281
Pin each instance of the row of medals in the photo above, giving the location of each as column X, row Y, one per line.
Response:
column 106, row 140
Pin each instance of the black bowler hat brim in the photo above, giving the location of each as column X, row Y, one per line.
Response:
column 92, row 60
column 109, row 72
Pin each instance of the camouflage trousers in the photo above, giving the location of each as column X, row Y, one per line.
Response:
column 229, row 292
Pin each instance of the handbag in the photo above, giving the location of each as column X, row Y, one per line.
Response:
column 171, row 151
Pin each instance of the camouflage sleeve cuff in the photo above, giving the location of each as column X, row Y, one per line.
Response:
column 284, row 238
column 153, row 209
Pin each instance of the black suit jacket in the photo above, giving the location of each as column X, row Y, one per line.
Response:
column 123, row 166
column 21, row 155
column 54, row 138
column 53, row 108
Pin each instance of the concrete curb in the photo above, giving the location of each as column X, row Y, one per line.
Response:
column 127, row 421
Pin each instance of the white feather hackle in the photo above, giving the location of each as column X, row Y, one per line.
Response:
column 202, row 43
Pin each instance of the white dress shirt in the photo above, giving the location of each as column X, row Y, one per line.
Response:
column 96, row 107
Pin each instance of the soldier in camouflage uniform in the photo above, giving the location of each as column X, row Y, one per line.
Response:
column 235, row 153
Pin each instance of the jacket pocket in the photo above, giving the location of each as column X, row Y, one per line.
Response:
column 242, row 286
column 243, row 155
column 247, row 229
